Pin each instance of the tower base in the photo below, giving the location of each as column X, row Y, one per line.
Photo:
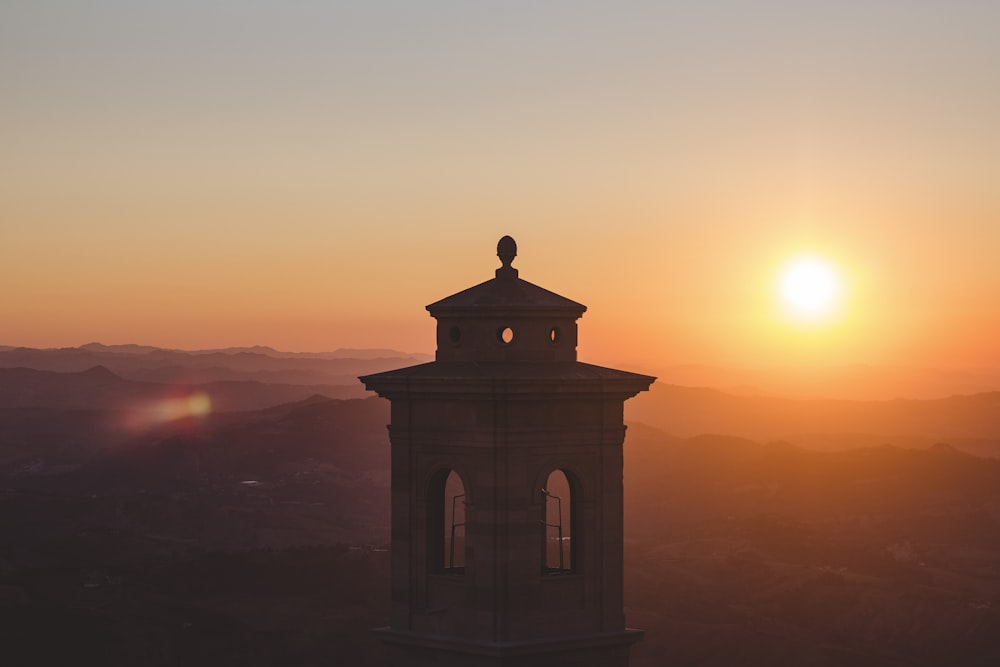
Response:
column 406, row 649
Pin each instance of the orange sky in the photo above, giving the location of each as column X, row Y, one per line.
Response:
column 205, row 174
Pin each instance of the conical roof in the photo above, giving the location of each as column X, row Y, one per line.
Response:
column 506, row 291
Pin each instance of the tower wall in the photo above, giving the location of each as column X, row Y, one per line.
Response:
column 503, row 412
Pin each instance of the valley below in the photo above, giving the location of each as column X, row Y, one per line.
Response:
column 259, row 534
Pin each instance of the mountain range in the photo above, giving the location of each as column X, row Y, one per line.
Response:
column 205, row 523
column 142, row 380
column 260, row 364
column 968, row 422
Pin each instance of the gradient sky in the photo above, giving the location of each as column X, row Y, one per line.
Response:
column 309, row 175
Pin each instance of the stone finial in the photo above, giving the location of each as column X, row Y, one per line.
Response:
column 506, row 251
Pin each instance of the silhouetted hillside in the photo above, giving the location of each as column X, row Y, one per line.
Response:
column 768, row 554
column 238, row 537
column 257, row 536
column 318, row 454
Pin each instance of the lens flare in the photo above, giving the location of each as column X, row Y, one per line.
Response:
column 167, row 410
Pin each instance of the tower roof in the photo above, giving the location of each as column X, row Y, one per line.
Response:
column 506, row 291
column 513, row 379
column 509, row 330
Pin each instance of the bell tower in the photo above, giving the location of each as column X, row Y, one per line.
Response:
column 507, row 487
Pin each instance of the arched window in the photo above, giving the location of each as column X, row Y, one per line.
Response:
column 557, row 547
column 446, row 524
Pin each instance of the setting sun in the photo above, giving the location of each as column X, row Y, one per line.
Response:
column 810, row 288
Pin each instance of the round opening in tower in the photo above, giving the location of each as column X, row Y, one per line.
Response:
column 554, row 335
column 505, row 335
column 454, row 335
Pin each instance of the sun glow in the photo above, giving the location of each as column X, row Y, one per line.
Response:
column 810, row 288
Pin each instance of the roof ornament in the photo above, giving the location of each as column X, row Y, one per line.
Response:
column 506, row 251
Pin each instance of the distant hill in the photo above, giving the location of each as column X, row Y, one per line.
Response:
column 970, row 422
column 116, row 349
column 714, row 476
column 852, row 381
column 261, row 364
column 340, row 353
column 98, row 388
column 241, row 380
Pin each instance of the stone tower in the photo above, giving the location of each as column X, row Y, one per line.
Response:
column 507, row 487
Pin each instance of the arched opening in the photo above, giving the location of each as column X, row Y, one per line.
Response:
column 446, row 524
column 558, row 533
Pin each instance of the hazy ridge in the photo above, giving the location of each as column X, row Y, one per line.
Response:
column 970, row 422
column 241, row 380
column 261, row 364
